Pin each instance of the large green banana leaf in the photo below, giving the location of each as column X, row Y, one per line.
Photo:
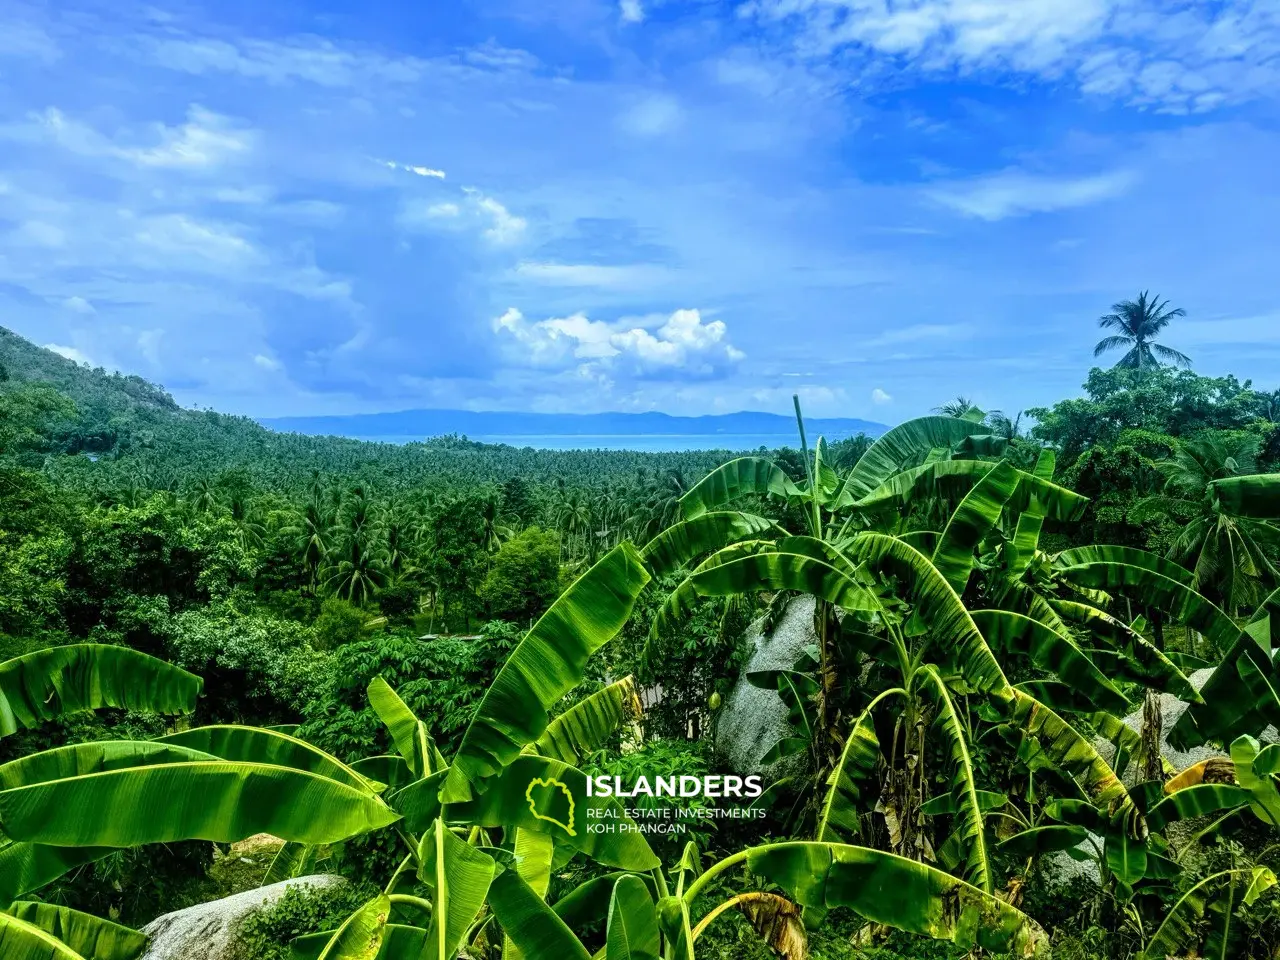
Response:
column 1131, row 556
column 259, row 745
column 737, row 478
column 784, row 571
column 459, row 876
column 1141, row 661
column 535, row 854
column 953, row 634
column 681, row 601
column 684, row 541
column 391, row 769
column 943, row 479
column 632, row 932
column 975, row 517
column 1038, row 841
column 23, row 941
column 1180, row 929
column 906, row 445
column 1255, row 497
column 84, row 758
column 547, row 664
column 532, row 925
column 1026, row 538
column 1076, row 756
column 1052, row 651
column 408, row 733
column 219, row 801
column 969, row 830
column 1262, row 786
column 898, row 892
column 29, row 866
column 847, row 792
column 589, row 725
column 361, row 934
column 399, row 942
column 291, row 860
column 587, row 904
column 87, row 935
column 1196, row 801
column 89, row 676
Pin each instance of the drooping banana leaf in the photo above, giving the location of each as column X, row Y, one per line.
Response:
column 969, row 829
column 22, row 941
column 546, row 665
column 680, row 602
column 848, row 783
column 534, row 854
column 1196, row 801
column 948, row 480
column 783, row 571
column 459, row 876
column 25, row 867
column 532, row 925
column 1261, row 786
column 399, row 942
column 89, row 676
column 684, row 541
column 390, row 769
column 944, row 804
column 408, row 733
column 361, row 934
column 737, row 478
column 632, row 932
column 1051, row 838
column 1180, row 928
column 952, row 631
column 923, row 901
column 905, row 446
column 1254, row 497
column 219, row 801
column 87, row 935
column 1052, row 651
column 975, row 516
column 1130, row 556
column 588, row 903
column 84, row 758
column 291, row 860
column 259, row 745
column 1026, row 538
column 589, row 725
column 1141, row 661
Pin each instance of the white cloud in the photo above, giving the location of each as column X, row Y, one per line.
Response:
column 652, row 116
column 917, row 332
column 79, row 305
column 478, row 211
column 309, row 59
column 437, row 210
column 26, row 40
column 184, row 238
column 505, row 227
column 680, row 344
column 71, row 353
column 38, row 233
column 880, row 397
column 1012, row 193
column 411, row 168
column 591, row 274
column 265, row 362
column 631, row 11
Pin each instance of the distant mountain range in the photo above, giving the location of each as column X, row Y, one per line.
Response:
column 728, row 431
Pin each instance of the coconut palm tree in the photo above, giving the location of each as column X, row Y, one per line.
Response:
column 1140, row 322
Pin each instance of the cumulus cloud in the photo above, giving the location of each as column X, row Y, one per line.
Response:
column 880, row 397
column 1012, row 193
column 71, row 353
column 498, row 225
column 681, row 344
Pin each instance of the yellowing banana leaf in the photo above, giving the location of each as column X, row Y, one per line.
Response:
column 459, row 876
column 923, row 900
column 399, row 942
column 23, row 941
column 87, row 935
column 905, row 446
column 1052, row 651
column 408, row 733
column 84, row 758
column 743, row 477
column 259, row 745
column 547, row 664
column 589, row 725
column 25, row 867
column 530, row 923
column 1255, row 497
column 632, row 932
column 219, row 801
column 953, row 634
column 684, row 541
column 88, row 676
column 361, row 934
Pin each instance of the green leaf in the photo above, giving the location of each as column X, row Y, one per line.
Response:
column 1196, row 801
column 784, row 571
column 681, row 601
column 847, row 785
column 389, row 769
column 743, row 477
column 1261, row 787
column 923, row 900
column 906, row 445
column 632, row 933
column 291, row 860
column 219, row 801
column 1255, row 497
column 589, row 725
column 89, row 676
column 1130, row 556
column 408, row 733
column 548, row 663
column 1243, row 693
column 399, row 942
column 532, row 925
column 975, row 517
column 1052, row 651
column 459, row 876
column 946, row 480
column 1179, row 930
column 360, row 936
column 25, row 867
column 1026, row 538
column 85, row 758
column 682, row 542
column 1038, row 841
column 22, row 941
column 944, row 804
column 84, row 933
column 259, row 745
column 588, row 903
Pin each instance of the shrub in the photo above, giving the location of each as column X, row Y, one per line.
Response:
column 266, row 935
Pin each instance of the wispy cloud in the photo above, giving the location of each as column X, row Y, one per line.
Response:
column 591, row 274
column 411, row 168
column 1013, row 193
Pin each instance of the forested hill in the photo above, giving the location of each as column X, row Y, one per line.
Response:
column 132, row 431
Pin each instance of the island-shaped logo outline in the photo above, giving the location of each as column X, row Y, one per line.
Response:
column 533, row 808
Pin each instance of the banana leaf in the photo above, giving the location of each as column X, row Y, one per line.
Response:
column 923, row 901
column 535, row 855
column 743, row 477
column 88, row 676
column 399, row 942
column 408, row 733
column 22, row 941
column 1131, row 556
column 905, row 446
column 588, row 903
column 25, row 867
column 944, row 804
column 681, row 601
column 975, row 516
column 84, row 758
column 848, row 783
column 361, row 934
column 632, row 932
column 291, row 860
column 532, row 925
column 784, row 571
column 259, row 745
column 1180, row 929
column 389, row 769
column 942, row 479
column 87, row 935
column 589, row 725
column 1196, row 801
column 548, row 663
column 220, row 801
column 1254, row 497
column 1052, row 838
column 1026, row 537
column 682, row 542
column 459, row 876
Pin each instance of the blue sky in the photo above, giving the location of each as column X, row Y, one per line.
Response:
column 693, row 206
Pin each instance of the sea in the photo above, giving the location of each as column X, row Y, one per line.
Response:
column 647, row 443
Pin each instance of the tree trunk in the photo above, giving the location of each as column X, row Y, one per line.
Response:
column 1152, row 735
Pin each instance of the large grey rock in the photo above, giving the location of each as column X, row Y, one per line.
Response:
column 208, row 931
column 752, row 720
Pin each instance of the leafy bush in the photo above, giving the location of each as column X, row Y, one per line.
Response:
column 266, row 935
column 339, row 623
